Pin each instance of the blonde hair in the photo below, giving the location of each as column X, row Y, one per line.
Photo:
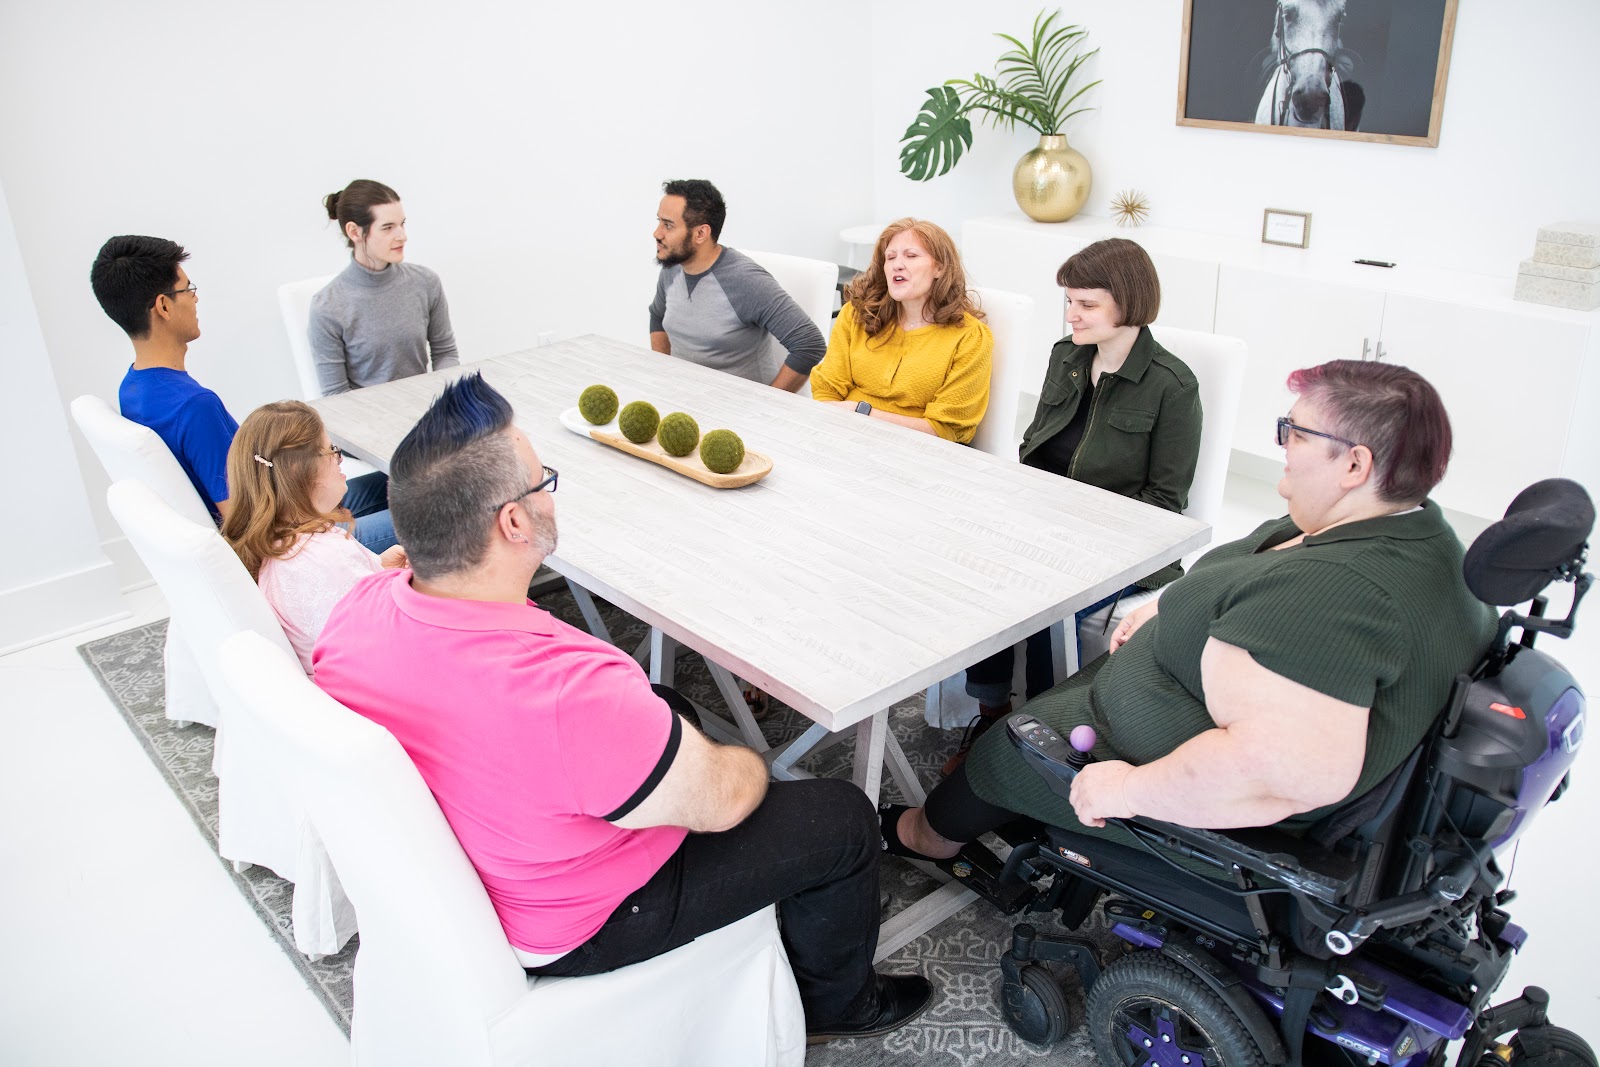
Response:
column 272, row 470
column 947, row 303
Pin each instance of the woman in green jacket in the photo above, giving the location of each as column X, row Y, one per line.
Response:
column 1117, row 411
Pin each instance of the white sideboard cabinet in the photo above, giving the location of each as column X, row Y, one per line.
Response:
column 1521, row 381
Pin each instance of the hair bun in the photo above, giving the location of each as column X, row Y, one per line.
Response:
column 331, row 204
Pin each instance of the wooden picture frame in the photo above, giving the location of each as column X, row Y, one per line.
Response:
column 1389, row 84
column 1291, row 229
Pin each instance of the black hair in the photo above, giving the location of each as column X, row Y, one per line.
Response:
column 447, row 475
column 354, row 203
column 702, row 204
column 129, row 274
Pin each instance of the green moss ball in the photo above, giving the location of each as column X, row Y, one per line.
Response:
column 638, row 421
column 598, row 404
column 679, row 434
column 722, row 451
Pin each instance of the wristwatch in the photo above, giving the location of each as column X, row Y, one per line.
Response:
column 863, row 408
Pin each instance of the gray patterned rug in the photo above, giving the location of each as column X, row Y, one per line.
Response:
column 961, row 956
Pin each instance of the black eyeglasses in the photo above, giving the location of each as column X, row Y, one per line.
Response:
column 335, row 450
column 550, row 476
column 1284, row 426
column 192, row 289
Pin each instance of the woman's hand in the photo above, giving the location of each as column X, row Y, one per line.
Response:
column 1099, row 792
column 394, row 557
column 848, row 405
column 1132, row 622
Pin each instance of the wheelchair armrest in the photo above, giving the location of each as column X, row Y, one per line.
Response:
column 1297, row 863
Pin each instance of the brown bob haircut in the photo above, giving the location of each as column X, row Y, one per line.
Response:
column 1123, row 269
column 270, row 505
column 879, row 313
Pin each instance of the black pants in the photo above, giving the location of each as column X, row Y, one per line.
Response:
column 812, row 847
column 989, row 680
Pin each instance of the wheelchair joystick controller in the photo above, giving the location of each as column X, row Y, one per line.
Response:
column 1057, row 758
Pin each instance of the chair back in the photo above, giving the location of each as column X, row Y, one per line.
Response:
column 1218, row 362
column 207, row 587
column 434, row 968
column 294, row 300
column 811, row 283
column 128, row 450
column 1008, row 316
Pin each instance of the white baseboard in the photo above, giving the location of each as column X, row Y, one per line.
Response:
column 56, row 607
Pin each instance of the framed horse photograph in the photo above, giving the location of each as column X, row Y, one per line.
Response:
column 1354, row 70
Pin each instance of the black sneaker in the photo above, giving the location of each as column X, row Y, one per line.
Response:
column 899, row 998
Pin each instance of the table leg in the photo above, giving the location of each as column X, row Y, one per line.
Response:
column 1063, row 650
column 733, row 696
column 591, row 614
column 901, row 770
column 641, row 655
column 871, row 736
column 786, row 755
column 663, row 654
column 911, row 923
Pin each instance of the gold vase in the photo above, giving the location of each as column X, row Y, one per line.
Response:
column 1051, row 182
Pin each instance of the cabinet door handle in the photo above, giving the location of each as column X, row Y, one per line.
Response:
column 1380, row 350
column 1366, row 346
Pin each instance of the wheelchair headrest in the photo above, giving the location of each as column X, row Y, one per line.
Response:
column 1543, row 537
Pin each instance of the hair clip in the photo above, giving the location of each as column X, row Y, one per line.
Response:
column 263, row 462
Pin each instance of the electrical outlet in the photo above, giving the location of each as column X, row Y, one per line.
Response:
column 545, row 338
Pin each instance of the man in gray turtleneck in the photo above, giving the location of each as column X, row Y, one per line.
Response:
column 380, row 316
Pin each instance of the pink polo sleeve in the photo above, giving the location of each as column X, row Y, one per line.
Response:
column 617, row 738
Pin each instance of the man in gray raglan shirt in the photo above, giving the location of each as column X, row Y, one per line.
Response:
column 715, row 306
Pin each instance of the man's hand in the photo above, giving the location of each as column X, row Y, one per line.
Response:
column 394, row 557
column 1132, row 622
column 1099, row 792
column 789, row 379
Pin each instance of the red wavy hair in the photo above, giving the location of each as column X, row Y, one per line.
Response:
column 948, row 301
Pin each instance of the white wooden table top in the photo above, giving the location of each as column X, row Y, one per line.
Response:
column 871, row 562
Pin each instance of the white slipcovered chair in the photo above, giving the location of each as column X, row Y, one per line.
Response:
column 946, row 704
column 1218, row 363
column 294, row 301
column 128, row 450
column 436, row 981
column 811, row 283
column 212, row 598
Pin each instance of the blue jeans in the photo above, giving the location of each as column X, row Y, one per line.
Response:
column 989, row 681
column 367, row 497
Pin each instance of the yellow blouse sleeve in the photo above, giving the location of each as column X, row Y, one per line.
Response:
column 831, row 379
column 958, row 406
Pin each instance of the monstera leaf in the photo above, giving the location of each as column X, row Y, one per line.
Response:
column 935, row 140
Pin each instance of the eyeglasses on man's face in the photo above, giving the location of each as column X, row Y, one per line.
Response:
column 1285, row 426
column 174, row 292
column 548, row 484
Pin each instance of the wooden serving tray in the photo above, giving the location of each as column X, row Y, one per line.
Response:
column 754, row 468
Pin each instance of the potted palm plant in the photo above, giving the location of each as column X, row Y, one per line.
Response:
column 1032, row 85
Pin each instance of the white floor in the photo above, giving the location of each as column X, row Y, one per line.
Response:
column 126, row 942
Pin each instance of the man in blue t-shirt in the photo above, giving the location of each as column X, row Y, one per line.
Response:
column 142, row 286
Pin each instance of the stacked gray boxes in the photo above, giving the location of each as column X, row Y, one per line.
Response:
column 1565, row 269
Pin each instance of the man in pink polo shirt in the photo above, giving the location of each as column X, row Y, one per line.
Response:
column 605, row 827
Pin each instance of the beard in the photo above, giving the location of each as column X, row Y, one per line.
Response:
column 544, row 535
column 671, row 257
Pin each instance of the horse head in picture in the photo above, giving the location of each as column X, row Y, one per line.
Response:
column 1308, row 69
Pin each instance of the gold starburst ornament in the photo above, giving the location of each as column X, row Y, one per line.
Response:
column 1130, row 207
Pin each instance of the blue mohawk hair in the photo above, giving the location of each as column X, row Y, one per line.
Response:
column 468, row 410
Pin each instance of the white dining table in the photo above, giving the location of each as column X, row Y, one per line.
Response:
column 871, row 562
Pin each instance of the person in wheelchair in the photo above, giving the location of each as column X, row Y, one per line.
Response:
column 1288, row 671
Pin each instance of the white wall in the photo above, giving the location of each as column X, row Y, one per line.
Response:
column 1518, row 146
column 53, row 576
column 528, row 140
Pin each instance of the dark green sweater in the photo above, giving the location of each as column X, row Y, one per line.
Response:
column 1372, row 613
column 1143, row 435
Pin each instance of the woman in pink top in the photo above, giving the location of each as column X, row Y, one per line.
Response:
column 285, row 484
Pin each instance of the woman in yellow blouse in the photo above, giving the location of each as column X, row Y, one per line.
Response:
column 909, row 345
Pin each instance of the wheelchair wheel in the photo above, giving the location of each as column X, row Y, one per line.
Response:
column 1036, row 1009
column 1147, row 1009
column 1550, row 1046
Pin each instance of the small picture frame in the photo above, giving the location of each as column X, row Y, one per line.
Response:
column 1291, row 229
